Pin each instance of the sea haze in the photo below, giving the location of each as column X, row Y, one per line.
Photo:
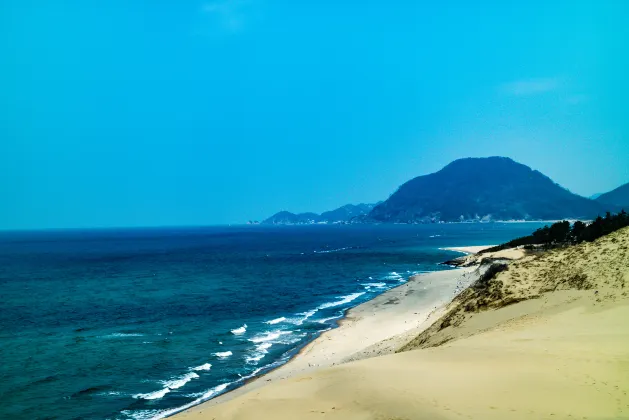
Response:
column 140, row 323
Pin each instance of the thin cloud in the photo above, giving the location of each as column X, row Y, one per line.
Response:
column 229, row 14
column 530, row 87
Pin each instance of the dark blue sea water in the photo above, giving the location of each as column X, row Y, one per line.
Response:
column 138, row 323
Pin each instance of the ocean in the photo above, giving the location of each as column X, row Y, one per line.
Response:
column 141, row 323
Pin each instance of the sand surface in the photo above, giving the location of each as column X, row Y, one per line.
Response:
column 373, row 328
column 546, row 339
column 473, row 258
column 554, row 366
column 468, row 249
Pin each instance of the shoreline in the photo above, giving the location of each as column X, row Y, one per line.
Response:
column 373, row 328
column 467, row 250
column 546, row 337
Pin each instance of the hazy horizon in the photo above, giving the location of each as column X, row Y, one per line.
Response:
column 210, row 113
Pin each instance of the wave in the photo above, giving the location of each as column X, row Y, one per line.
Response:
column 291, row 339
column 374, row 285
column 211, row 393
column 153, row 395
column 327, row 251
column 276, row 321
column 324, row 320
column 206, row 366
column 254, row 358
column 343, row 300
column 268, row 336
column 142, row 414
column 239, row 331
column 303, row 317
column 263, row 346
column 180, row 381
column 207, row 395
column 169, row 385
column 223, row 354
column 160, row 414
column 394, row 276
column 261, row 350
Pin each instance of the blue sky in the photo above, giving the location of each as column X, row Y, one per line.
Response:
column 143, row 113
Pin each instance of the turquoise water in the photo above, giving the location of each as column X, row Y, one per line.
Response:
column 141, row 323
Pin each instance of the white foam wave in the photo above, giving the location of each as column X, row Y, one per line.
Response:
column 291, row 339
column 342, row 300
column 169, row 385
column 268, row 336
column 223, row 354
column 276, row 321
column 332, row 250
column 377, row 285
column 324, row 320
column 254, row 358
column 153, row 395
column 239, row 331
column 209, row 394
column 264, row 346
column 142, row 414
column 180, row 381
column 303, row 317
column 156, row 414
column 394, row 276
column 206, row 366
column 261, row 350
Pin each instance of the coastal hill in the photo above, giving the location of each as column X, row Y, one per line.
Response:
column 340, row 215
column 618, row 197
column 493, row 188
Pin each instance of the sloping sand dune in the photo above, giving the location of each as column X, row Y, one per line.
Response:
column 546, row 339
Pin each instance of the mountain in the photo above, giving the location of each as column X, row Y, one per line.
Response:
column 618, row 197
column 288, row 218
column 346, row 212
column 493, row 188
column 340, row 215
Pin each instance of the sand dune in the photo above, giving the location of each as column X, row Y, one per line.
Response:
column 547, row 338
column 473, row 258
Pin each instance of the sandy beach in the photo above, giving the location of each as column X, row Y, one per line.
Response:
column 374, row 328
column 546, row 338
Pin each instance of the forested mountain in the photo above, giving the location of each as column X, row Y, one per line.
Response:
column 493, row 188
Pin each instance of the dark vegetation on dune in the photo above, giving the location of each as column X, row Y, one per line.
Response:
column 562, row 233
column 557, row 269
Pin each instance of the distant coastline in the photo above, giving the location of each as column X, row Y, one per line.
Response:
column 420, row 223
column 470, row 190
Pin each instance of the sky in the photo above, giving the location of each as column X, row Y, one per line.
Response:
column 161, row 113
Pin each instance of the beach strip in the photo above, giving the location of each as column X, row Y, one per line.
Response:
column 374, row 328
